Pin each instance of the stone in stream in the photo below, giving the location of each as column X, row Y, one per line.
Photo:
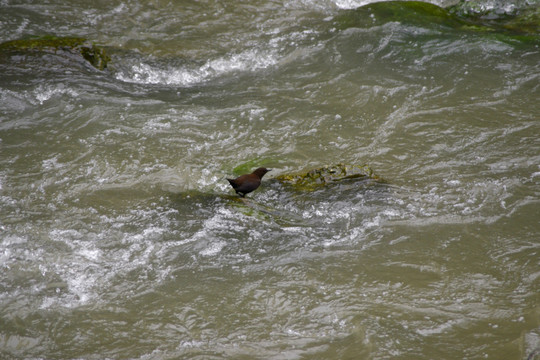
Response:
column 327, row 175
column 80, row 48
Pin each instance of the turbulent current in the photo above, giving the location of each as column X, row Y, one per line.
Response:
column 120, row 237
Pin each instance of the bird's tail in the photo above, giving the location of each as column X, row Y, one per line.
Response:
column 233, row 184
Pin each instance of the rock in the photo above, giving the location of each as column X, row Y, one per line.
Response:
column 469, row 15
column 326, row 175
column 90, row 52
column 410, row 12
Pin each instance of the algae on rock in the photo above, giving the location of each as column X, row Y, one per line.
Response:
column 90, row 52
column 415, row 12
column 521, row 21
column 326, row 175
column 463, row 16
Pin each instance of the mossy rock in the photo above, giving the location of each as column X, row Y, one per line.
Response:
column 523, row 25
column 327, row 175
column 526, row 21
column 92, row 53
column 413, row 12
column 251, row 165
column 520, row 21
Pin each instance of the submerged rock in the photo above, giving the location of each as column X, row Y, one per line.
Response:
column 518, row 21
column 327, row 175
column 413, row 12
column 90, row 52
column 462, row 16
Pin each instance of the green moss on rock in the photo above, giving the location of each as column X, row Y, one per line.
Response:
column 92, row 53
column 251, row 165
column 326, row 175
column 523, row 24
column 519, row 21
column 413, row 12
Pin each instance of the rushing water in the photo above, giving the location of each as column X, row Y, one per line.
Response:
column 120, row 237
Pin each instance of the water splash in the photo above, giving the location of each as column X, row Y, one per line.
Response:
column 250, row 60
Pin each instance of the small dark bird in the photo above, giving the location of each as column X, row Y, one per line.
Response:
column 245, row 184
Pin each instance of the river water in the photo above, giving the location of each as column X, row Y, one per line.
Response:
column 120, row 237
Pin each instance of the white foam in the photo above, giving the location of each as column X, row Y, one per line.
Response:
column 250, row 60
column 437, row 329
column 213, row 249
column 45, row 92
column 352, row 4
column 13, row 240
column 51, row 164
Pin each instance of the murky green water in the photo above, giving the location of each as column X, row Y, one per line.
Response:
column 121, row 239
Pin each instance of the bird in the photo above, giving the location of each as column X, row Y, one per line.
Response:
column 245, row 184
